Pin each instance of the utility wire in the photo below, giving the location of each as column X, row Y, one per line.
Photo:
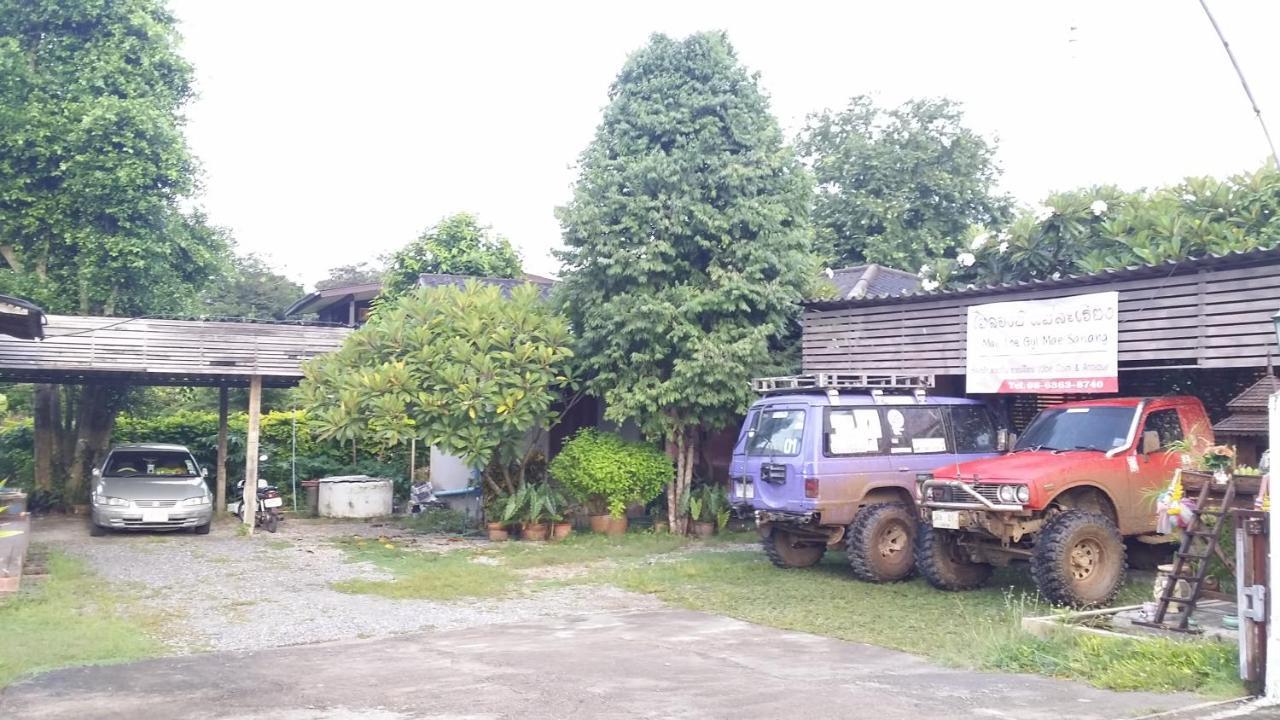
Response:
column 1243, row 83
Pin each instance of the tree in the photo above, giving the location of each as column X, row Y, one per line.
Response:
column 464, row 369
column 1101, row 228
column 252, row 290
column 93, row 173
column 686, row 244
column 899, row 186
column 361, row 273
column 457, row 245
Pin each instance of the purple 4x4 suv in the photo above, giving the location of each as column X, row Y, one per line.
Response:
column 821, row 466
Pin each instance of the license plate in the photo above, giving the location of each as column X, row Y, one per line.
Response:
column 155, row 516
column 946, row 519
column 273, row 502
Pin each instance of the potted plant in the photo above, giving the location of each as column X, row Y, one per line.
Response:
column 606, row 473
column 557, row 510
column 708, row 508
column 531, row 506
column 497, row 528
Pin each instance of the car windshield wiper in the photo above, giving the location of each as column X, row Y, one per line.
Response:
column 1031, row 448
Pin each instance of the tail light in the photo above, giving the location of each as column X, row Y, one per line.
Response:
column 811, row 487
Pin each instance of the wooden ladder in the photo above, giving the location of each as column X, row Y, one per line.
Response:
column 1196, row 532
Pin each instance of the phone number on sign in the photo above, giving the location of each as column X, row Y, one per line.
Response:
column 1041, row 385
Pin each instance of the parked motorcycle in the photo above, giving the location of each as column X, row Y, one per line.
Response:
column 268, row 513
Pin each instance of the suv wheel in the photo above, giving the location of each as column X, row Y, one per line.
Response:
column 785, row 550
column 1078, row 559
column 944, row 564
column 879, row 543
column 96, row 530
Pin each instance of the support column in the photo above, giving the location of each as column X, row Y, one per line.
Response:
column 1273, row 526
column 220, row 492
column 251, row 451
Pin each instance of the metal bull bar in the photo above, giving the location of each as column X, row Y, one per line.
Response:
column 967, row 489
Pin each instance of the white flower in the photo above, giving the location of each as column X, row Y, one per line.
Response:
column 1004, row 235
column 966, row 259
column 1044, row 212
column 1057, row 276
column 925, row 270
column 1098, row 206
column 829, row 272
column 929, row 285
column 979, row 240
column 1003, row 247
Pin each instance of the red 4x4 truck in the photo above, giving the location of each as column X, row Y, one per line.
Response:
column 1077, row 485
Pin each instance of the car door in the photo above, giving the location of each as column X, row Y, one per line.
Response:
column 1151, row 471
column 916, row 440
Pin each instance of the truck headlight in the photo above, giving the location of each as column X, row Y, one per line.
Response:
column 1024, row 494
column 1008, row 494
column 202, row 500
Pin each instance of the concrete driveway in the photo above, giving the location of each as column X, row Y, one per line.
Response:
column 648, row 664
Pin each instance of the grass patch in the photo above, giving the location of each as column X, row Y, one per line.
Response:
column 422, row 575
column 975, row 629
column 72, row 618
column 583, row 548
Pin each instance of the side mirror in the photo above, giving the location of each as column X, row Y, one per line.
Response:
column 97, row 472
column 1150, row 442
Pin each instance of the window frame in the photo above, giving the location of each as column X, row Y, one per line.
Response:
column 1164, row 446
column 881, row 447
column 991, row 418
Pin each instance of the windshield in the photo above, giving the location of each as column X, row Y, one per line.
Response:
column 776, row 432
column 129, row 463
column 1079, row 428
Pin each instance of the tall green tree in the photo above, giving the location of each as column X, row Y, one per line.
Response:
column 251, row 290
column 457, row 245
column 94, row 171
column 898, row 186
column 687, row 244
column 361, row 273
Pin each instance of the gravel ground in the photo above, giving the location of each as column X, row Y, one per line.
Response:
column 226, row 592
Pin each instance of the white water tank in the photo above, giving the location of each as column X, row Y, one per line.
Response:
column 354, row 496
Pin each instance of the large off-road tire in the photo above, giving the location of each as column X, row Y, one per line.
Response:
column 786, row 550
column 1078, row 560
column 880, row 543
column 942, row 562
column 1146, row 556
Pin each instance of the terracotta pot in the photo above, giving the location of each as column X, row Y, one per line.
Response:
column 704, row 529
column 617, row 526
column 535, row 531
column 497, row 532
column 599, row 523
column 561, row 530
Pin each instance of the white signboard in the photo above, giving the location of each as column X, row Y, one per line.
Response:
column 1061, row 345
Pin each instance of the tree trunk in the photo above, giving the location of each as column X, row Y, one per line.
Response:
column 45, row 434
column 682, row 445
column 89, row 437
column 250, row 497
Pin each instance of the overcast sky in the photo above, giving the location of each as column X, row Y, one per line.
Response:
column 331, row 132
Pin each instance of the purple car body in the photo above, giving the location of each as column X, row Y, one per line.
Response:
column 818, row 469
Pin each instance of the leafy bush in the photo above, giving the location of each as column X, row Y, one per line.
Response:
column 17, row 458
column 608, row 472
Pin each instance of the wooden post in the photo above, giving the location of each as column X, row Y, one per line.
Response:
column 413, row 457
column 1272, row 670
column 251, row 452
column 220, row 492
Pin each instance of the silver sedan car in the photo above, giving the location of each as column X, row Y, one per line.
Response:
column 150, row 487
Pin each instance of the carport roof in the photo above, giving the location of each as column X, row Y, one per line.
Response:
column 154, row 351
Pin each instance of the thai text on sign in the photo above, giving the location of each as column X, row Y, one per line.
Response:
column 1059, row 345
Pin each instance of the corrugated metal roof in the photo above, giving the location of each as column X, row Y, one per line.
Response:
column 1171, row 267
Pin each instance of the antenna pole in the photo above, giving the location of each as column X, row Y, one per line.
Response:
column 1243, row 83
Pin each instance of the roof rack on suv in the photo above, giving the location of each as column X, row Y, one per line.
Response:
column 841, row 381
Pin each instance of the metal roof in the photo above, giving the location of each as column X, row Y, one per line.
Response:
column 873, row 280
column 1255, row 397
column 1170, row 267
column 20, row 318
column 321, row 299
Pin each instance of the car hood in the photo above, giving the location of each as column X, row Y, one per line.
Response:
column 152, row 488
column 1026, row 466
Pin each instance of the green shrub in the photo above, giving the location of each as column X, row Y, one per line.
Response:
column 17, row 458
column 607, row 472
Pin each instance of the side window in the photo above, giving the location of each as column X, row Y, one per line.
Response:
column 853, row 431
column 748, row 429
column 1166, row 424
column 915, row 430
column 777, row 432
column 974, row 431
